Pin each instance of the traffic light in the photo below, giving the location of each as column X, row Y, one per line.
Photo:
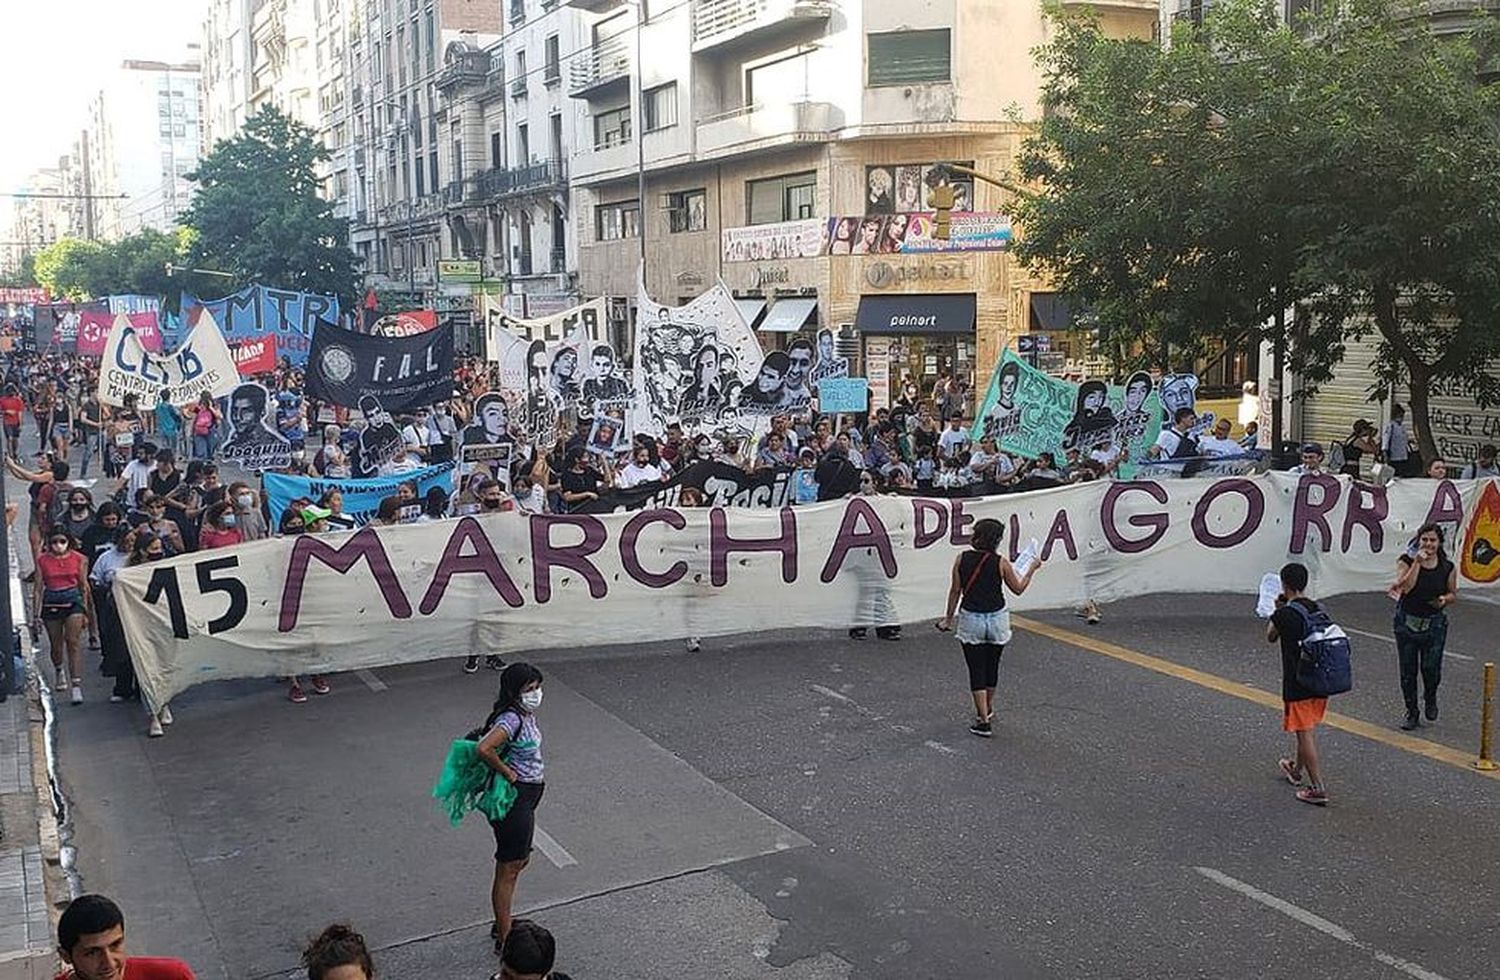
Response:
column 940, row 199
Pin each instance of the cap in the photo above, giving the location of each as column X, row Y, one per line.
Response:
column 1312, row 449
column 315, row 513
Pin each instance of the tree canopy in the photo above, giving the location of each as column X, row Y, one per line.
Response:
column 78, row 269
column 1347, row 167
column 257, row 213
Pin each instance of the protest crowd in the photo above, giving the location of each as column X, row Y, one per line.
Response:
column 117, row 485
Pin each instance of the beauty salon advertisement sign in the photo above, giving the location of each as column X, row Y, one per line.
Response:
column 508, row 582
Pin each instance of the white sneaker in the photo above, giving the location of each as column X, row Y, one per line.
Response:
column 62, row 678
column 77, row 694
column 692, row 644
column 153, row 730
column 115, row 699
column 165, row 714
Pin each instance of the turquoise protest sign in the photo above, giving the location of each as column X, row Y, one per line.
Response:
column 843, row 395
column 1029, row 412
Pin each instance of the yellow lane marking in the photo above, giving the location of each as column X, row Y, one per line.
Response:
column 1354, row 726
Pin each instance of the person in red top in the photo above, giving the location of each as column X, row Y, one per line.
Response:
column 219, row 527
column 64, row 603
column 91, row 939
column 12, row 413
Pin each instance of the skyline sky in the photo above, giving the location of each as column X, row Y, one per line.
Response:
column 60, row 55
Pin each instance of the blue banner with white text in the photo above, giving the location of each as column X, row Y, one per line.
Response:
column 361, row 497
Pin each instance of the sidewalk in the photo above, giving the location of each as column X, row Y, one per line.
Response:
column 26, row 943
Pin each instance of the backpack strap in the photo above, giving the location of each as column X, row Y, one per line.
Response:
column 974, row 575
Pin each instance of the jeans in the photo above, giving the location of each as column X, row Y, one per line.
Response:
column 203, row 446
column 1420, row 651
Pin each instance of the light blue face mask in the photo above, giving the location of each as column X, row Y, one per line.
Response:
column 230, row 520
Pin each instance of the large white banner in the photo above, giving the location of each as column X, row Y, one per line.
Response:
column 506, row 583
column 203, row 363
column 700, row 364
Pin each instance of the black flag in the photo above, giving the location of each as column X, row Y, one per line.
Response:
column 400, row 372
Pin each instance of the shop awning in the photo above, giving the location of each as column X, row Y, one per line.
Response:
column 1051, row 311
column 916, row 314
column 751, row 309
column 789, row 314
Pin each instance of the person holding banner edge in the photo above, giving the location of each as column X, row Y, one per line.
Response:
column 977, row 592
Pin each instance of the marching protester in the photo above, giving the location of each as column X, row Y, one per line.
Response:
column 1437, row 470
column 529, row 953
column 1396, row 445
column 338, row 953
column 146, row 549
column 247, row 514
column 1483, row 466
column 1312, row 460
column 1426, row 585
column 512, row 747
column 91, row 941
column 977, row 592
column 206, row 418
column 106, row 565
column 1176, row 444
column 220, row 527
column 1302, row 710
column 1361, row 442
column 64, row 604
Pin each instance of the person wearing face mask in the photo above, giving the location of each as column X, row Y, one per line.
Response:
column 99, row 536
column 155, row 508
column 220, row 527
column 512, row 747
column 111, row 633
column 417, row 435
column 64, row 603
column 248, row 518
column 147, row 548
column 79, row 516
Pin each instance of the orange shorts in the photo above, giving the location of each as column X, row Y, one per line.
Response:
column 1303, row 716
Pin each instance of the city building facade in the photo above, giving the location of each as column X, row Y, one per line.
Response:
column 788, row 147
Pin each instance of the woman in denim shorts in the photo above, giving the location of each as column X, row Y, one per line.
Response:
column 980, row 577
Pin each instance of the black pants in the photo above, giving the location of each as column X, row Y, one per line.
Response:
column 984, row 664
column 112, row 645
column 1420, row 652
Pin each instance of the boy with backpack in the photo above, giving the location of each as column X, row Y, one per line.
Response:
column 1305, row 683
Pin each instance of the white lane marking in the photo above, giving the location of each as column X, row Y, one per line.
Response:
column 940, row 747
column 842, row 698
column 1313, row 921
column 371, row 681
column 829, row 692
column 554, row 851
column 1392, row 640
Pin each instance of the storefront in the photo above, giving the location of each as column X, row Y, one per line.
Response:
column 923, row 336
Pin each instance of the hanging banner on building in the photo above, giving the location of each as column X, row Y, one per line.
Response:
column 94, row 327
column 803, row 239
column 1029, row 412
column 254, row 357
column 903, row 187
column 201, row 364
column 254, row 443
column 401, row 372
column 320, row 603
column 877, row 234
column 405, row 324
column 361, row 497
column 701, row 365
column 257, row 310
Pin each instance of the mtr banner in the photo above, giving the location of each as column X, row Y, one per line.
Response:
column 318, row 603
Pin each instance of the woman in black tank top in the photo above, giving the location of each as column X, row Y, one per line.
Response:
column 980, row 577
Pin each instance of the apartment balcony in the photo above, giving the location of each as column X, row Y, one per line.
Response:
column 1149, row 5
column 717, row 23
column 756, row 127
column 542, row 177
column 466, row 68
column 593, row 6
column 518, row 88
column 602, row 69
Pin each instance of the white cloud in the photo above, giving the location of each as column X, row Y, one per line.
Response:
column 58, row 54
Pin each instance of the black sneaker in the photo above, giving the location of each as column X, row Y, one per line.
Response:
column 494, row 663
column 471, row 665
column 1432, row 709
column 981, row 728
column 888, row 632
column 858, row 633
column 1412, row 722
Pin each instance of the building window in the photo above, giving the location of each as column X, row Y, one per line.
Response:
column 421, row 185
column 780, row 198
column 659, row 107
column 523, row 145
column 497, row 150
column 553, row 73
column 613, row 222
column 780, row 81
column 905, row 57
column 612, row 127
column 688, row 210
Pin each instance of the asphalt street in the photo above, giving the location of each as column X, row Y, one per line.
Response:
column 806, row 806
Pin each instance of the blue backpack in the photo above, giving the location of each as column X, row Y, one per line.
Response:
column 1324, row 667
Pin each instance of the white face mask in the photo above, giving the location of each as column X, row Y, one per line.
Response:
column 531, row 700
column 245, row 500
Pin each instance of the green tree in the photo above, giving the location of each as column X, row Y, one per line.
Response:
column 1346, row 167
column 70, row 268
column 257, row 213
column 24, row 274
column 79, row 269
